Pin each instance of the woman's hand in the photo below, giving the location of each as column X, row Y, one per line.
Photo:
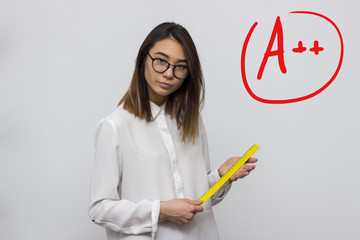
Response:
column 243, row 171
column 179, row 211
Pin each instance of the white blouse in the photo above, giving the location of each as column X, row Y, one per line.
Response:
column 137, row 165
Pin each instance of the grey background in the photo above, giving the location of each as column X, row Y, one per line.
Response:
column 65, row 64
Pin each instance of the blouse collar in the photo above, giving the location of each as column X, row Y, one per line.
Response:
column 155, row 109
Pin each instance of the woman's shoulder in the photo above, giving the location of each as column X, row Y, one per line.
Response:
column 119, row 117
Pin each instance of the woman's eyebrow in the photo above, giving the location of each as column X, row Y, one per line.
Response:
column 163, row 54
column 168, row 57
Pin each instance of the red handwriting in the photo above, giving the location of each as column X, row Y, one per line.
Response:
column 300, row 48
column 278, row 32
column 279, row 52
column 316, row 49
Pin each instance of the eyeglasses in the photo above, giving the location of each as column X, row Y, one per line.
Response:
column 160, row 65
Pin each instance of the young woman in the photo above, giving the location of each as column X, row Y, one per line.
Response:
column 151, row 160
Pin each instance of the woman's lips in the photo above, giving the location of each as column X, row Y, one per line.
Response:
column 164, row 85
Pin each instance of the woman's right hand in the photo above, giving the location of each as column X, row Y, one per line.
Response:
column 179, row 211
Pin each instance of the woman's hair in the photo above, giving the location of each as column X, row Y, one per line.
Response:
column 184, row 104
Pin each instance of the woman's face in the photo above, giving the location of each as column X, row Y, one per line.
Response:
column 161, row 85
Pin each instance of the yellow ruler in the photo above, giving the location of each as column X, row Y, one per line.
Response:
column 229, row 173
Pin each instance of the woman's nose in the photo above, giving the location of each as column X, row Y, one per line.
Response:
column 169, row 73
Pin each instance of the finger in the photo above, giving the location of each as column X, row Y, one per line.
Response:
column 199, row 209
column 252, row 160
column 194, row 202
column 240, row 174
column 253, row 167
column 248, row 167
column 234, row 178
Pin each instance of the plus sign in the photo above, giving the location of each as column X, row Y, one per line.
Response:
column 316, row 49
column 300, row 48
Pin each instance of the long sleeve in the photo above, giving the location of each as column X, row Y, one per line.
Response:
column 140, row 163
column 106, row 207
column 213, row 176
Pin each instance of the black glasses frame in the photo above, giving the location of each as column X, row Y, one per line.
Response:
column 168, row 66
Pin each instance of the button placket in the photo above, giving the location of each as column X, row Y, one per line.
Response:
column 169, row 144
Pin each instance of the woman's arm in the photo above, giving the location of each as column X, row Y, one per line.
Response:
column 215, row 175
column 106, row 208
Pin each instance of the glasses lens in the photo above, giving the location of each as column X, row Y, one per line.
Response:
column 160, row 65
column 181, row 71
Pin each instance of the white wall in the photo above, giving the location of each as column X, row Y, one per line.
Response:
column 65, row 64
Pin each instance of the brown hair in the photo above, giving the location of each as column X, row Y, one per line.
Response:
column 185, row 103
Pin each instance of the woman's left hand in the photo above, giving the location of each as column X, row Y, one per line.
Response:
column 243, row 171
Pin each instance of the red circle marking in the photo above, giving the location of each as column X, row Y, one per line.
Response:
column 292, row 100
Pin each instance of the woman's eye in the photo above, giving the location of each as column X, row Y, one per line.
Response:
column 161, row 61
column 181, row 67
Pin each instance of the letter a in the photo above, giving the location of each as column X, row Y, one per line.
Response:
column 279, row 52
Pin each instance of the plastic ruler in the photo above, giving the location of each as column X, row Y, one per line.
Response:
column 229, row 173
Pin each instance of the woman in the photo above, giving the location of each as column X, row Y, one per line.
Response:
column 151, row 160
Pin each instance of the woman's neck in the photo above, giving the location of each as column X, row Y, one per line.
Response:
column 156, row 98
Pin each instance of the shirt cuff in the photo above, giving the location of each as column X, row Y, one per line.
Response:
column 221, row 193
column 155, row 217
column 213, row 177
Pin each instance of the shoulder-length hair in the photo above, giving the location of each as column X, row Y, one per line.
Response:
column 185, row 103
